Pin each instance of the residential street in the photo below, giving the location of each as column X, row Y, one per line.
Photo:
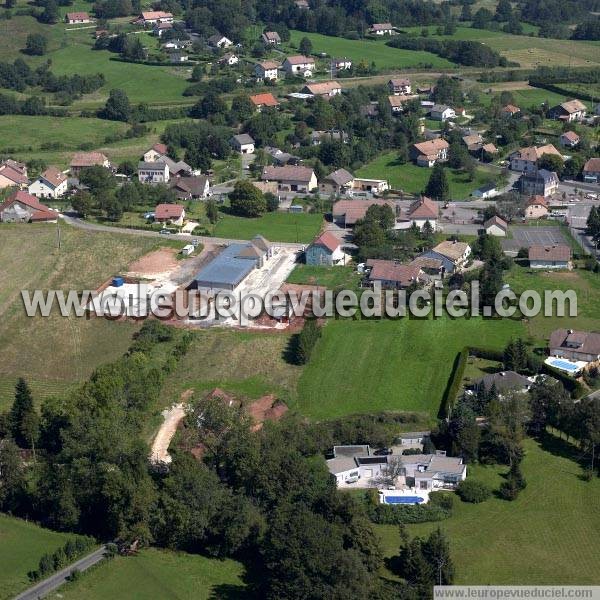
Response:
column 43, row 588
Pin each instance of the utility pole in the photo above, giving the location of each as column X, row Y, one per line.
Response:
column 58, row 237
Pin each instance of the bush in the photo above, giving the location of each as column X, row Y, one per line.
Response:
column 473, row 491
column 442, row 499
column 451, row 392
column 386, row 514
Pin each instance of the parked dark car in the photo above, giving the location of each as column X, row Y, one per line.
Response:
column 383, row 452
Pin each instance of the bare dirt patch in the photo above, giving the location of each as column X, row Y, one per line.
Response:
column 154, row 263
column 267, row 408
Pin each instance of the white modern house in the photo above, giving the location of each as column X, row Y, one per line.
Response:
column 266, row 70
column 358, row 466
column 242, row 143
column 441, row 112
column 299, row 65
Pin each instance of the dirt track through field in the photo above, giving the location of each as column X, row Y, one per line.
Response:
column 172, row 417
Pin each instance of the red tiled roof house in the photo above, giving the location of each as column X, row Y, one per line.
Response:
column 325, row 250
column 550, row 257
column 21, row 207
column 77, row 17
column 85, row 160
column 169, row 213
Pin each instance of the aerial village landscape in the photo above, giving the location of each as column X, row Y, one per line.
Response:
column 301, row 300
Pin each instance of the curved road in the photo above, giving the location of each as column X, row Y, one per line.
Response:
column 43, row 588
column 76, row 222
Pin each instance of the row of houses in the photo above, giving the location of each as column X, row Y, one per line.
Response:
column 537, row 181
column 52, row 183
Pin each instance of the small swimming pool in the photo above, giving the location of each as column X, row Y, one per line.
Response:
column 403, row 499
column 564, row 365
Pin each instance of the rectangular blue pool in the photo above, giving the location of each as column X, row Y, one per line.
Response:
column 403, row 500
column 564, row 365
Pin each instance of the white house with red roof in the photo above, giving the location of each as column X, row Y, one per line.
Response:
column 299, row 65
column 393, row 275
column 154, row 16
column 169, row 213
column 569, row 139
column 382, row 29
column 325, row 250
column 537, row 207
column 266, row 70
column 77, row 17
column 155, row 153
column 21, row 207
column 52, row 183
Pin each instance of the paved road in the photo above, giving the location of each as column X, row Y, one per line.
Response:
column 178, row 236
column 43, row 588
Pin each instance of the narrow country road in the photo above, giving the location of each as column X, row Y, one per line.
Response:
column 76, row 222
column 43, row 588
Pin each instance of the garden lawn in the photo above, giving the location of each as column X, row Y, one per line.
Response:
column 413, row 179
column 22, row 544
column 584, row 283
column 275, row 226
column 548, row 536
column 155, row 574
column 369, row 51
column 528, row 97
column 330, row 277
column 401, row 365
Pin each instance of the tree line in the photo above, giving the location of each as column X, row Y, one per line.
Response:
column 264, row 498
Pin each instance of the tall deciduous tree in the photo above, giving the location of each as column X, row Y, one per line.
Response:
column 247, row 200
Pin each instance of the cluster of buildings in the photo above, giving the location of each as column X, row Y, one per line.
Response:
column 157, row 167
column 401, row 478
column 23, row 204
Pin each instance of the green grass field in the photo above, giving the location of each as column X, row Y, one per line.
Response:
column 528, row 97
column 25, row 137
column 584, row 283
column 547, row 536
column 58, row 350
column 22, row 544
column 158, row 574
column 413, row 179
column 244, row 363
column 276, row 226
column 370, row 51
column 29, row 133
column 71, row 51
column 528, row 51
column 370, row 366
column 336, row 277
